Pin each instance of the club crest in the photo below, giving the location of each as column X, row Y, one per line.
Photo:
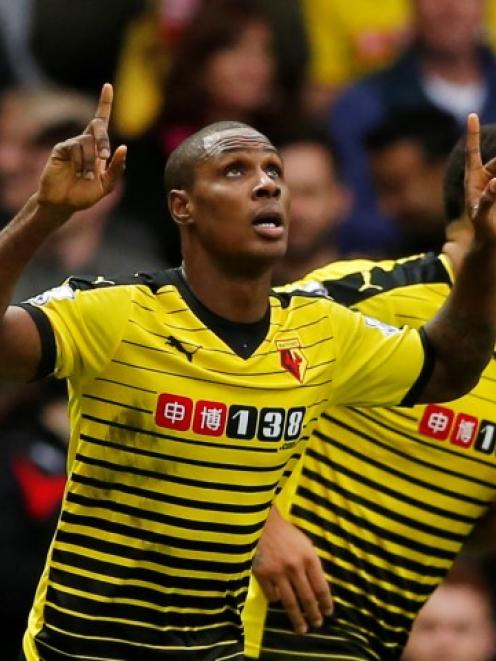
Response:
column 292, row 357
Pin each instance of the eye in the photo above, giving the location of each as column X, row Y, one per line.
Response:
column 233, row 170
column 274, row 171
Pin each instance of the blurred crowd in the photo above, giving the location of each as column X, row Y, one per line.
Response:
column 365, row 101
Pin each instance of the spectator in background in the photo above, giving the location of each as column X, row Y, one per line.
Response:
column 319, row 203
column 346, row 44
column 25, row 115
column 16, row 22
column 457, row 622
column 447, row 66
column 96, row 239
column 152, row 37
column 223, row 68
column 407, row 153
column 7, row 74
column 143, row 62
column 77, row 43
column 33, row 440
column 73, row 43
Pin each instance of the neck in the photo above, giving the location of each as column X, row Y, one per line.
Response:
column 229, row 294
column 458, row 240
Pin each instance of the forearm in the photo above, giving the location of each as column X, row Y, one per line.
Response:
column 19, row 241
column 463, row 333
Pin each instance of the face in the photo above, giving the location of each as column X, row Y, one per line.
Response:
column 454, row 625
column 409, row 188
column 237, row 210
column 318, row 202
column 21, row 160
column 238, row 78
column 449, row 26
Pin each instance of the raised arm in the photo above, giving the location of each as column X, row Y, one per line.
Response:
column 463, row 333
column 79, row 172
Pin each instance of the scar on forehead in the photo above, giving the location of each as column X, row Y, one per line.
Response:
column 231, row 139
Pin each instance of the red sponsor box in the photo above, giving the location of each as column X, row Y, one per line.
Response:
column 174, row 412
column 464, row 430
column 210, row 418
column 436, row 422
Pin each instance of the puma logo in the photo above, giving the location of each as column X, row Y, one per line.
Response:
column 177, row 344
column 100, row 280
column 367, row 282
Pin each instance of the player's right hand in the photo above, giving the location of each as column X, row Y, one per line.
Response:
column 81, row 170
column 289, row 570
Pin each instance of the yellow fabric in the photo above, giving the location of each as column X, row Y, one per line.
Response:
column 350, row 40
column 346, row 43
column 140, row 78
column 490, row 24
column 178, row 445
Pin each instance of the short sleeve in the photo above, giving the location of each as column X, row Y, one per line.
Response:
column 376, row 364
column 87, row 326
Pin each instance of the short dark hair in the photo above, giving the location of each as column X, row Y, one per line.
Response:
column 454, row 191
column 434, row 130
column 180, row 167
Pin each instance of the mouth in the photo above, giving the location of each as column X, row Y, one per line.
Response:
column 269, row 224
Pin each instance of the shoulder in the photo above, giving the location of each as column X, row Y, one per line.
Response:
column 153, row 281
column 353, row 281
column 88, row 294
column 299, row 292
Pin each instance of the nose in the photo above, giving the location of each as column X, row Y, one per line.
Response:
column 266, row 187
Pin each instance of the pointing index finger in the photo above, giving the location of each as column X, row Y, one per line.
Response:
column 104, row 107
column 473, row 160
column 98, row 127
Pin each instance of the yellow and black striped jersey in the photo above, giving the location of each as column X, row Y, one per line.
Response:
column 388, row 496
column 184, row 426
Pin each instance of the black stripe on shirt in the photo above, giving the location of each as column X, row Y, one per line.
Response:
column 426, row 269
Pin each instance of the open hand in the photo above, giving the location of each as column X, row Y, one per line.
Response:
column 289, row 570
column 80, row 171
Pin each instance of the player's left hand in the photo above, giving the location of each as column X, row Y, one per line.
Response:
column 480, row 185
column 289, row 570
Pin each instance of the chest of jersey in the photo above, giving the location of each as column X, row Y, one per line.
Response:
column 182, row 398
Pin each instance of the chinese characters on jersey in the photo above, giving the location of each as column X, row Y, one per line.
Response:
column 209, row 418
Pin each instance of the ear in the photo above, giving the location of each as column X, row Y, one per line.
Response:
column 180, row 207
